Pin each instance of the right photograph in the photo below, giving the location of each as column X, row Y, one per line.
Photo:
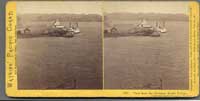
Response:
column 146, row 45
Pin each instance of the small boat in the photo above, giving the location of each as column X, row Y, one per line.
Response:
column 160, row 28
column 76, row 30
column 74, row 27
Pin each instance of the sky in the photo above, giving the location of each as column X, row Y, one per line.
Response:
column 97, row 7
column 147, row 7
column 76, row 7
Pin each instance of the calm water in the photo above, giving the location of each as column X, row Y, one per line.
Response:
column 148, row 62
column 61, row 63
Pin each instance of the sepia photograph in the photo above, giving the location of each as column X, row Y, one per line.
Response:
column 59, row 45
column 146, row 45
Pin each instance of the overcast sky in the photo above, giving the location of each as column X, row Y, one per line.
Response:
column 76, row 7
column 147, row 6
column 96, row 7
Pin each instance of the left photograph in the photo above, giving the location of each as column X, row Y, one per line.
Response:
column 59, row 45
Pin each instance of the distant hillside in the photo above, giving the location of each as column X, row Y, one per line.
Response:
column 61, row 17
column 98, row 18
column 148, row 16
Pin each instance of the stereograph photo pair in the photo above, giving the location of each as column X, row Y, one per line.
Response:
column 102, row 48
